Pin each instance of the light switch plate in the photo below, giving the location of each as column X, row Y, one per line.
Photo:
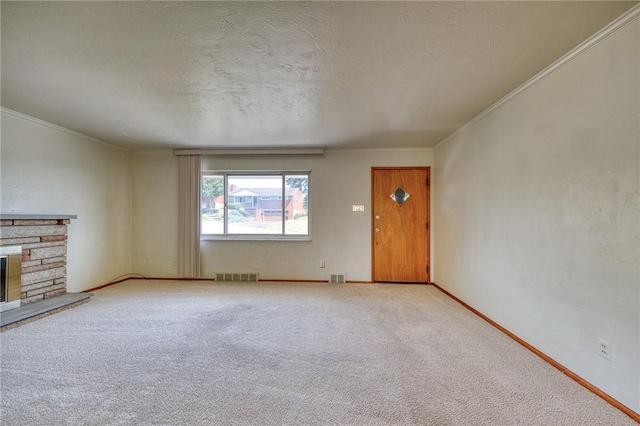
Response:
column 357, row 208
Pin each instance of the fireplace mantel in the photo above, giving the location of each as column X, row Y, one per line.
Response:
column 12, row 216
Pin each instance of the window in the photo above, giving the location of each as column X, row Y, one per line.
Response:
column 255, row 206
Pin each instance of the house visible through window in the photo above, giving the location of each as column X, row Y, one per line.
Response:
column 261, row 205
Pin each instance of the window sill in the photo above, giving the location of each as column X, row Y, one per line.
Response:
column 292, row 238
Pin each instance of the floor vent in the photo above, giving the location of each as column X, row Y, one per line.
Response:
column 337, row 279
column 237, row 276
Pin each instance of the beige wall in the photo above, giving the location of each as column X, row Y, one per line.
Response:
column 536, row 214
column 45, row 169
column 155, row 214
column 127, row 206
column 340, row 237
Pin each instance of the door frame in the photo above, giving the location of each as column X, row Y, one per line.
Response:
column 428, row 242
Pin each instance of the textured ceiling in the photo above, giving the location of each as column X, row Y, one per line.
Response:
column 150, row 75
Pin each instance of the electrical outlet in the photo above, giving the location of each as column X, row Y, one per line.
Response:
column 604, row 349
column 322, row 264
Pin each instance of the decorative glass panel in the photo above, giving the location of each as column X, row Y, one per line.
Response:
column 400, row 196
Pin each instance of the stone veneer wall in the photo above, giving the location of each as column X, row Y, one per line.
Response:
column 44, row 255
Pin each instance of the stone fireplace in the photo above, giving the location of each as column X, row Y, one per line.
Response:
column 42, row 244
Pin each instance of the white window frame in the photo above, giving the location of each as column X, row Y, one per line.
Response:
column 258, row 237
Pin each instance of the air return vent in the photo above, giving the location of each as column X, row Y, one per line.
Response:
column 339, row 278
column 237, row 276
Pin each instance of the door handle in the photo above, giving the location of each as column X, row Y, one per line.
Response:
column 377, row 229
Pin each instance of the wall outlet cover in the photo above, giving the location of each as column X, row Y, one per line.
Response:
column 604, row 349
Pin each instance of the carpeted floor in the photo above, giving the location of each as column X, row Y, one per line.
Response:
column 200, row 353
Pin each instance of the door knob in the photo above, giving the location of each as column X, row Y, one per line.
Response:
column 377, row 229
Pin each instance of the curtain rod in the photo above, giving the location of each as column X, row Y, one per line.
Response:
column 290, row 151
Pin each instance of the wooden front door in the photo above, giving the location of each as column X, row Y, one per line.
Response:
column 400, row 235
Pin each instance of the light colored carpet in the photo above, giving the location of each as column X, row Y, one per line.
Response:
column 191, row 353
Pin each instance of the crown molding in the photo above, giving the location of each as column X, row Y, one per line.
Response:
column 606, row 32
column 61, row 129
